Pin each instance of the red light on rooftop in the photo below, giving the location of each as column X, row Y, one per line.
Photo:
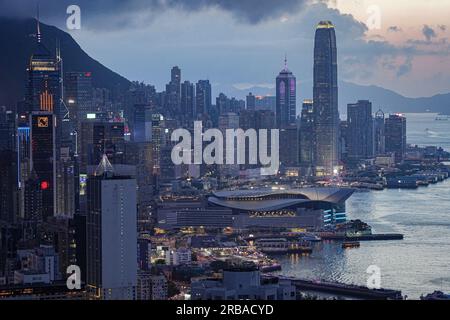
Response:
column 88, row 74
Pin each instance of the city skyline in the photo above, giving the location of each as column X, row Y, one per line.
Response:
column 125, row 190
column 424, row 43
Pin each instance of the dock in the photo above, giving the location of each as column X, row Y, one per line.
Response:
column 367, row 237
column 345, row 290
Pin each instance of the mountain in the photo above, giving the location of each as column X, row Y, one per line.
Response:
column 387, row 100
column 391, row 101
column 18, row 43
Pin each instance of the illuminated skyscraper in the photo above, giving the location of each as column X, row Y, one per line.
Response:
column 326, row 100
column 43, row 155
column 286, row 98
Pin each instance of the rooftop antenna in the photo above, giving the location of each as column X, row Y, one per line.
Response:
column 285, row 61
column 38, row 26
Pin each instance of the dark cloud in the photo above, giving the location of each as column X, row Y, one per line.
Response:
column 121, row 13
column 428, row 32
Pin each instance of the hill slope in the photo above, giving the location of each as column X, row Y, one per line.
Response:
column 18, row 43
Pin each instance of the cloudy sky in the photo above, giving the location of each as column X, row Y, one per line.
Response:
column 401, row 45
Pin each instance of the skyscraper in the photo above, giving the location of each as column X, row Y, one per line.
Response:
column 43, row 155
column 173, row 93
column 111, row 233
column 360, row 131
column 43, row 90
column 379, row 133
column 8, row 166
column 251, row 102
column 223, row 104
column 78, row 96
column 395, row 130
column 203, row 98
column 158, row 141
column 326, row 100
column 142, row 123
column 100, row 137
column 307, row 138
column 187, row 100
column 286, row 97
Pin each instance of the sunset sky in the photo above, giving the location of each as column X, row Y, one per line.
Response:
column 241, row 44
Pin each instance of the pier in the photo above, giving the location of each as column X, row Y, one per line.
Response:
column 344, row 290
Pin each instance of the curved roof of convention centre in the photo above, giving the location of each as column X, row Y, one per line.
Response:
column 268, row 199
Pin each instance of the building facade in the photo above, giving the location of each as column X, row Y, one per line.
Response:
column 326, row 100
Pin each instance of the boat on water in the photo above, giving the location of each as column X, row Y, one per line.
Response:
column 283, row 246
column 350, row 244
column 270, row 268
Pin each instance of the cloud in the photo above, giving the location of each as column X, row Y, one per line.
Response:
column 123, row 13
column 247, row 86
column 428, row 32
column 394, row 29
column 405, row 68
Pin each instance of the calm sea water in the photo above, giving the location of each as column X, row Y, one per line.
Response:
column 417, row 265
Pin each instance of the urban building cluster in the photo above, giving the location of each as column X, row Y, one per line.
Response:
column 86, row 179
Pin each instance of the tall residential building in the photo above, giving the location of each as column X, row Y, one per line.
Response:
column 111, row 233
column 286, row 86
column 307, row 138
column 251, row 102
column 326, row 100
column 395, row 130
column 379, row 133
column 266, row 103
column 360, row 131
column 203, row 98
column 223, row 104
column 173, row 93
column 43, row 155
column 188, row 101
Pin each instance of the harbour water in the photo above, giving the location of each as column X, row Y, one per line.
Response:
column 417, row 265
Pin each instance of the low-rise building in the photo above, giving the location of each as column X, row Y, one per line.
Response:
column 241, row 283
